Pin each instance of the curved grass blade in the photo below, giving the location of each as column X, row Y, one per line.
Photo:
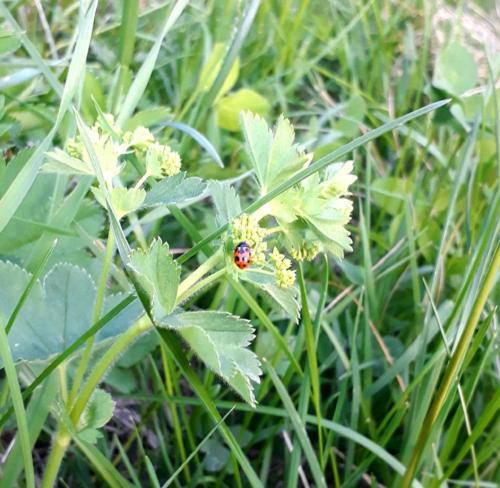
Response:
column 198, row 137
column 193, row 454
column 18, row 405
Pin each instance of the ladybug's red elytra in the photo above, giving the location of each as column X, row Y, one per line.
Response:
column 242, row 255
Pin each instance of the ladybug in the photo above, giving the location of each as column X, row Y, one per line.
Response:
column 242, row 255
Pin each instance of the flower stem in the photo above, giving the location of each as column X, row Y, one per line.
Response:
column 61, row 442
column 117, row 347
column 82, row 367
column 201, row 284
column 452, row 371
column 198, row 273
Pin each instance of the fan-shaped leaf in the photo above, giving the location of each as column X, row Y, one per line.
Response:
column 57, row 311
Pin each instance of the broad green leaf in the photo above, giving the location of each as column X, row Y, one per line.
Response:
column 285, row 298
column 273, row 155
column 226, row 200
column 158, row 275
column 221, row 340
column 123, row 200
column 229, row 107
column 56, row 313
column 212, row 67
column 455, row 70
column 174, row 190
column 98, row 413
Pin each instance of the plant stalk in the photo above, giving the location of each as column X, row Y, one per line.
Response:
column 101, row 290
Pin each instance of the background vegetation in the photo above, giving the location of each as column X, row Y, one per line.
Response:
column 393, row 365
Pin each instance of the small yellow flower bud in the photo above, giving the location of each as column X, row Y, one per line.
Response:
column 246, row 228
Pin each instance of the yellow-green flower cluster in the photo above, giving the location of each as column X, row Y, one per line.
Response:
column 163, row 158
column 285, row 276
column 246, row 229
column 307, row 252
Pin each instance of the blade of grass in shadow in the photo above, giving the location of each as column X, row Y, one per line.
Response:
column 24, row 180
column 144, row 74
column 341, row 430
column 17, row 401
column 193, row 454
column 488, row 414
column 36, row 413
column 298, row 426
column 318, row 166
column 453, row 369
column 103, row 465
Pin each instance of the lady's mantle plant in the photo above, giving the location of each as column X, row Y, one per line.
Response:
column 131, row 172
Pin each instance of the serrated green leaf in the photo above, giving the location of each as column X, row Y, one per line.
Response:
column 221, row 341
column 273, row 155
column 229, row 107
column 158, row 274
column 174, row 191
column 285, row 298
column 455, row 70
column 226, row 200
column 56, row 313
column 123, row 200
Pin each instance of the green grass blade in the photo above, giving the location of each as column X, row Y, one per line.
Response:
column 193, row 454
column 298, row 426
column 453, row 368
column 173, row 345
column 17, row 401
column 36, row 413
column 29, row 287
column 24, row 180
column 31, row 50
column 144, row 74
column 103, row 465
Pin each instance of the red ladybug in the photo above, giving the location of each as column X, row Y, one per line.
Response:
column 242, row 255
